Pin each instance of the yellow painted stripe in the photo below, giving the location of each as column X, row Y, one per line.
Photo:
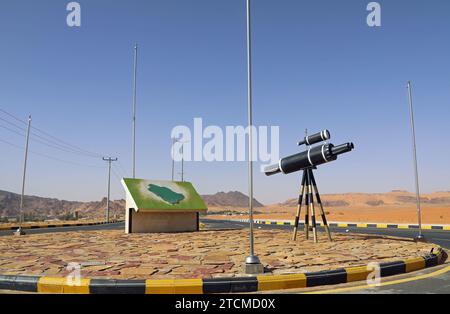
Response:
column 342, row 225
column 426, row 227
column 174, row 286
column 279, row 282
column 62, row 285
column 414, row 264
column 357, row 273
column 403, row 226
column 361, row 225
column 267, row 222
column 446, row 227
column 393, row 282
column 382, row 226
column 280, row 223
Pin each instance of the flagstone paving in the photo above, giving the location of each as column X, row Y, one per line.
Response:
column 115, row 255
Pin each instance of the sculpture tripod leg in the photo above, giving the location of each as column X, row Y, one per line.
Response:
column 322, row 212
column 311, row 204
column 299, row 207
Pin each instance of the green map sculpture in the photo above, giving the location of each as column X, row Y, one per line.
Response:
column 166, row 194
column 163, row 196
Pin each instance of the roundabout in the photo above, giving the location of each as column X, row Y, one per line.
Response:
column 209, row 261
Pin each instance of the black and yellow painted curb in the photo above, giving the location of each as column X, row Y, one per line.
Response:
column 216, row 285
column 353, row 225
column 37, row 226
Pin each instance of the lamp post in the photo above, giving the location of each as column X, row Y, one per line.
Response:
column 134, row 109
column 420, row 236
column 252, row 263
column 19, row 231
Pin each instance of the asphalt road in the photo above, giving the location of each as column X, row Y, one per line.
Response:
column 439, row 284
column 416, row 284
column 441, row 238
column 113, row 226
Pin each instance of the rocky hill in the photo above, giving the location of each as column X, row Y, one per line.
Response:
column 53, row 208
column 50, row 208
column 229, row 199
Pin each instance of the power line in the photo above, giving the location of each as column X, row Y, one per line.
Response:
column 118, row 177
column 13, row 124
column 45, row 142
column 13, row 116
column 50, row 157
column 124, row 172
column 52, row 139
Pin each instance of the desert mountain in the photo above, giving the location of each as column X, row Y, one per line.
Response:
column 231, row 199
column 48, row 208
column 51, row 208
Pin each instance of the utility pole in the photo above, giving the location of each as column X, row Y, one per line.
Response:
column 420, row 236
column 174, row 140
column 109, row 160
column 134, row 109
column 252, row 263
column 20, row 231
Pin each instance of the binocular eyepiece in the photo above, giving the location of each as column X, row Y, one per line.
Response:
column 312, row 157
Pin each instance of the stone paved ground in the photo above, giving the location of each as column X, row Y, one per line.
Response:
column 113, row 254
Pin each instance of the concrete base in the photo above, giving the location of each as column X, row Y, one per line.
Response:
column 149, row 222
column 19, row 232
column 420, row 238
column 254, row 269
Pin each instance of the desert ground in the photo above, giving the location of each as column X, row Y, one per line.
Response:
column 392, row 207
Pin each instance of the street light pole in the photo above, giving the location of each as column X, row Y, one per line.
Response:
column 109, row 160
column 134, row 109
column 252, row 263
column 420, row 236
column 20, row 231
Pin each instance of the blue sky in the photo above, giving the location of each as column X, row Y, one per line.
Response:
column 316, row 65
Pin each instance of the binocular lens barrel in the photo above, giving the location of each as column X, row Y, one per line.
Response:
column 316, row 138
column 312, row 157
column 341, row 149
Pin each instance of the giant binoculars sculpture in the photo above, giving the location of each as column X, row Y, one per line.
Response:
column 307, row 161
column 310, row 158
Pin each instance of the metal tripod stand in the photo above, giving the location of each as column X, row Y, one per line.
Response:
column 308, row 187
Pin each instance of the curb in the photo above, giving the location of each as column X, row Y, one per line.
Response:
column 27, row 227
column 351, row 225
column 217, row 285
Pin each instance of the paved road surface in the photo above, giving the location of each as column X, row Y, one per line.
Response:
column 118, row 225
column 441, row 238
